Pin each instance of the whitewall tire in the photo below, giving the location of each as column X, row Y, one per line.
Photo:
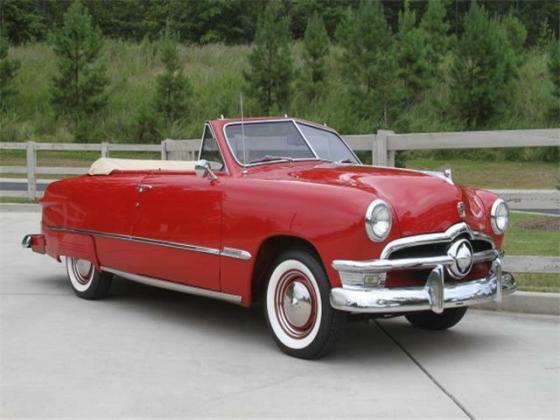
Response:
column 298, row 311
column 86, row 281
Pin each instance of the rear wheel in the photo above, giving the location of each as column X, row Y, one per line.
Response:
column 298, row 310
column 86, row 281
column 428, row 320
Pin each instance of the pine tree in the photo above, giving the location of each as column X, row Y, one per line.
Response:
column 8, row 70
column 368, row 63
column 78, row 88
column 315, row 49
column 270, row 73
column 483, row 70
column 435, row 29
column 411, row 54
column 554, row 70
column 173, row 87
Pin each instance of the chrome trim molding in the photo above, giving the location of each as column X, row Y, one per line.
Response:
column 226, row 252
column 381, row 266
column 445, row 175
column 177, row 287
column 429, row 238
column 235, row 253
column 434, row 296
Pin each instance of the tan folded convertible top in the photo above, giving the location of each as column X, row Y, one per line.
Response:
column 104, row 166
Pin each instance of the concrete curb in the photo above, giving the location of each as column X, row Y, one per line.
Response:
column 22, row 207
column 527, row 303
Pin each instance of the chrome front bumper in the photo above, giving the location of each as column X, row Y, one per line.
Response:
column 436, row 295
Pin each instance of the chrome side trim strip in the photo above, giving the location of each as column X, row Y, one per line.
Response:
column 177, row 287
column 226, row 252
column 430, row 238
column 235, row 253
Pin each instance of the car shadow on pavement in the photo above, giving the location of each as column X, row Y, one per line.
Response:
column 360, row 341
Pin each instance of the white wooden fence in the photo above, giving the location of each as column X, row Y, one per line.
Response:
column 382, row 146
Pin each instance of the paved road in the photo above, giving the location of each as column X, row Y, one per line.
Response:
column 152, row 353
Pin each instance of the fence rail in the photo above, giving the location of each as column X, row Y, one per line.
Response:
column 382, row 146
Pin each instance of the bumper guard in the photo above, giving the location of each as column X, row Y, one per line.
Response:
column 435, row 295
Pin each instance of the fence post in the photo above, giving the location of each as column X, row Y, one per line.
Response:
column 104, row 149
column 380, row 150
column 31, row 170
column 164, row 149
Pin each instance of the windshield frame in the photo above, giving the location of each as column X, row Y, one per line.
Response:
column 208, row 125
column 328, row 130
column 295, row 123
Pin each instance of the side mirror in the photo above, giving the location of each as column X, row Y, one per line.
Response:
column 202, row 169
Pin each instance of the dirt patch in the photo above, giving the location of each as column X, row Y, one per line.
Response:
column 549, row 224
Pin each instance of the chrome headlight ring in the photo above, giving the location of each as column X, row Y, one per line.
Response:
column 499, row 216
column 378, row 220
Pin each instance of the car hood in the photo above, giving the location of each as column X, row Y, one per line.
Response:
column 421, row 202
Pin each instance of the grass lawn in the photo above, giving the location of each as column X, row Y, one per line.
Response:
column 496, row 174
column 18, row 200
column 531, row 282
column 523, row 241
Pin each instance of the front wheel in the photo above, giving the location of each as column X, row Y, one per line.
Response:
column 298, row 311
column 428, row 320
column 86, row 281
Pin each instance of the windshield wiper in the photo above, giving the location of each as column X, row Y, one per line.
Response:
column 269, row 158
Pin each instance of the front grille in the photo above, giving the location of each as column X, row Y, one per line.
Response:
column 435, row 249
column 414, row 278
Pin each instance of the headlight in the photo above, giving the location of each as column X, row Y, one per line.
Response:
column 499, row 216
column 378, row 220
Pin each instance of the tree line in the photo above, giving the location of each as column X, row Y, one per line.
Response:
column 387, row 64
column 386, row 73
column 235, row 21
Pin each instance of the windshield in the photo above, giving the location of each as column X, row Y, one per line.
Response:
column 327, row 145
column 267, row 141
column 257, row 142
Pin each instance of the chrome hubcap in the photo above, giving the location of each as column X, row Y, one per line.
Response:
column 297, row 304
column 83, row 270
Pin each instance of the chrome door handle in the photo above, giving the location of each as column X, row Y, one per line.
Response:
column 143, row 187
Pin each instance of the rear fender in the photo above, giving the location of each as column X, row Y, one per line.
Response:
column 71, row 244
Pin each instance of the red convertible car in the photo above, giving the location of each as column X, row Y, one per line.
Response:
column 281, row 211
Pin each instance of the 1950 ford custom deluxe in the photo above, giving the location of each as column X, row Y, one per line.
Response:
column 281, row 210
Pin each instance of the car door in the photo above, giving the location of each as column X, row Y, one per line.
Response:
column 105, row 206
column 179, row 216
column 178, row 229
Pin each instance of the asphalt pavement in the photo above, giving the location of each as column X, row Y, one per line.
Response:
column 146, row 352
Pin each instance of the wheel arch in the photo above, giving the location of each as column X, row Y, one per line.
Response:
column 268, row 251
